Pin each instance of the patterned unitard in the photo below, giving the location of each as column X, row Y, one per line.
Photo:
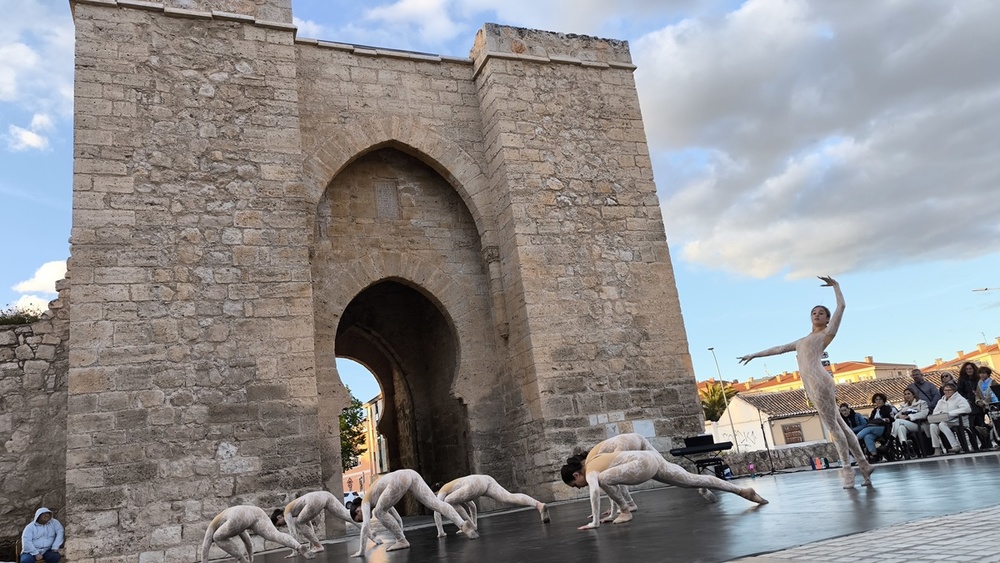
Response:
column 300, row 513
column 462, row 492
column 819, row 385
column 238, row 521
column 387, row 491
column 608, row 471
column 620, row 443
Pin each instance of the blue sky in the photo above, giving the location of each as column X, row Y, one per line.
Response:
column 789, row 139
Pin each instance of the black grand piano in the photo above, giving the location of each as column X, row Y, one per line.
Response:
column 701, row 451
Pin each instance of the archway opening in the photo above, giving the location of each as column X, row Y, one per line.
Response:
column 410, row 347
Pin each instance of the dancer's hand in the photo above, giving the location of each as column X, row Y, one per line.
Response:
column 746, row 359
column 830, row 282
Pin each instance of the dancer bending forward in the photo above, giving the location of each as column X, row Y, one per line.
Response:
column 301, row 512
column 238, row 521
column 462, row 492
column 820, row 386
column 386, row 492
column 607, row 471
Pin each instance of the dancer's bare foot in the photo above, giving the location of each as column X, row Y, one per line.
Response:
column 708, row 495
column 544, row 512
column 752, row 496
column 847, row 477
column 867, row 474
column 401, row 544
column 470, row 530
column 622, row 518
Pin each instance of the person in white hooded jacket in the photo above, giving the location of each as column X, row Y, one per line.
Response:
column 42, row 538
column 953, row 405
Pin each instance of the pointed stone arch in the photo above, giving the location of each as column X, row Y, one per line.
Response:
column 367, row 133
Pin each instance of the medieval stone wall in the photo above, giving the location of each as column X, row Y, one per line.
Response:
column 234, row 223
column 191, row 382
column 599, row 345
column 33, row 367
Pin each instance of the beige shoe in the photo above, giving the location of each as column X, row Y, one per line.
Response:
column 937, row 451
column 955, row 450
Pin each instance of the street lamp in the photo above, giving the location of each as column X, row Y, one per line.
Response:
column 725, row 399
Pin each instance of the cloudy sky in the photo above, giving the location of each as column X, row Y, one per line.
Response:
column 789, row 139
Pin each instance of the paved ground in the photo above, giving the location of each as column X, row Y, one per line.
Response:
column 939, row 509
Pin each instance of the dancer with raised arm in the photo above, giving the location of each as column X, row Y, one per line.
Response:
column 300, row 513
column 386, row 492
column 819, row 384
column 608, row 471
column 239, row 521
column 462, row 493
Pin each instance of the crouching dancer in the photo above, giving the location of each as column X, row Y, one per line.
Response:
column 463, row 492
column 386, row 492
column 607, row 471
column 239, row 521
column 301, row 512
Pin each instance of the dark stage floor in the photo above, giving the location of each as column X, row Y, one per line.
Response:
column 678, row 525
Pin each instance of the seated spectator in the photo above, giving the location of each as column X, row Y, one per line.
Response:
column 954, row 406
column 42, row 538
column 853, row 419
column 880, row 419
column 946, row 378
column 984, row 396
column 923, row 389
column 911, row 412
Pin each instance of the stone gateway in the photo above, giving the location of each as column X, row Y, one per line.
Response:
column 483, row 233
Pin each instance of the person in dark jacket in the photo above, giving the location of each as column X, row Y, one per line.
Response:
column 853, row 419
column 880, row 419
column 968, row 380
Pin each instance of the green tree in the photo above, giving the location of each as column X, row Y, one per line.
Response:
column 352, row 433
column 712, row 401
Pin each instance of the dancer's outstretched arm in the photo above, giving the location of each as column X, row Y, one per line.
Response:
column 831, row 329
column 769, row 352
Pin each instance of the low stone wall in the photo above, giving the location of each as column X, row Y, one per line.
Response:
column 33, row 391
column 790, row 457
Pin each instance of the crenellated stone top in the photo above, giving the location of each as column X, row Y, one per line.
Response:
column 275, row 14
column 502, row 41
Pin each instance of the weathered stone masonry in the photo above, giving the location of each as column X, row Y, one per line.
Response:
column 33, row 367
column 483, row 233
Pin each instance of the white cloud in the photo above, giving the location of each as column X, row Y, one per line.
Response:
column 31, row 303
column 41, row 122
column 36, row 58
column 22, row 139
column 310, row 29
column 44, row 280
column 802, row 138
column 429, row 17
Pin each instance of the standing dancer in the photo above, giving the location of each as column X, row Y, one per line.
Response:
column 607, row 471
column 464, row 490
column 820, row 386
column 303, row 510
column 386, row 492
column 239, row 521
